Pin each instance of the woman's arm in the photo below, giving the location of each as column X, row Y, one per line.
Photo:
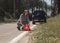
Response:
column 21, row 19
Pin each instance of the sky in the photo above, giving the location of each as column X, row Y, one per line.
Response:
column 48, row 2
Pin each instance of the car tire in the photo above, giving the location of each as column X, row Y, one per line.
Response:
column 45, row 20
column 33, row 22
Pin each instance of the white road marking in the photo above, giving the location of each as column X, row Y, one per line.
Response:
column 19, row 37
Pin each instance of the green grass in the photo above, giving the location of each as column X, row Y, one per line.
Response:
column 47, row 32
column 9, row 21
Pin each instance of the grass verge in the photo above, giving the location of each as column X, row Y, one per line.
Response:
column 47, row 32
column 8, row 21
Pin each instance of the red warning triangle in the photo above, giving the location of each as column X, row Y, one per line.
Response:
column 26, row 27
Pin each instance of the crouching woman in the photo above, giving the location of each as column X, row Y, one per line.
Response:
column 24, row 18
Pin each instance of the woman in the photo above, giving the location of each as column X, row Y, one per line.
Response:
column 24, row 18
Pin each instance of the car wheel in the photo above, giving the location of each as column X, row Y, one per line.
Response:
column 33, row 22
column 45, row 20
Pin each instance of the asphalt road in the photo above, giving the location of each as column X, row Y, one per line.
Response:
column 25, row 39
column 8, row 32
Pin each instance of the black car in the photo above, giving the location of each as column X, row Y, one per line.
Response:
column 39, row 15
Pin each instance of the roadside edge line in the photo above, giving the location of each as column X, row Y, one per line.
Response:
column 19, row 37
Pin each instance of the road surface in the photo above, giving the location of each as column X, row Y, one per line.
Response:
column 8, row 32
